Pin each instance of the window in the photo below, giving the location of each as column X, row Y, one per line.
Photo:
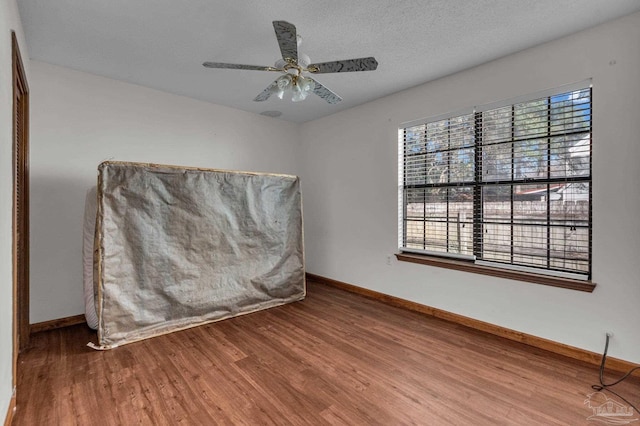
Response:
column 506, row 185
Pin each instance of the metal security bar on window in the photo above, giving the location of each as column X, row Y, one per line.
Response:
column 509, row 185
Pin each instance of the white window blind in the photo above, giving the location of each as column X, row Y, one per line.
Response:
column 509, row 184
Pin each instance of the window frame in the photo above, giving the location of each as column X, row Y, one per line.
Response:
column 548, row 276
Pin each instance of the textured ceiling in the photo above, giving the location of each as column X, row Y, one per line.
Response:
column 163, row 43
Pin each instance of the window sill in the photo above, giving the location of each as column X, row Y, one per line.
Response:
column 461, row 265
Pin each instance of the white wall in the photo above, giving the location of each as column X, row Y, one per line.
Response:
column 9, row 20
column 349, row 169
column 79, row 120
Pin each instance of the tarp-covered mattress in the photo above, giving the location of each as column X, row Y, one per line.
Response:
column 178, row 247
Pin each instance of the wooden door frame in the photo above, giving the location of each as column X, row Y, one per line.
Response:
column 20, row 228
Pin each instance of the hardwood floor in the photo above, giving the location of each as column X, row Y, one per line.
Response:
column 335, row 358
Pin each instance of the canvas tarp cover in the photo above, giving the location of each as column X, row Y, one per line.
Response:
column 178, row 247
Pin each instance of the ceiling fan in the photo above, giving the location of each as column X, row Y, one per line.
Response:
column 294, row 65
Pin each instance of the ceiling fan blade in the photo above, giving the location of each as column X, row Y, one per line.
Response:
column 266, row 93
column 287, row 39
column 347, row 65
column 325, row 93
column 236, row 66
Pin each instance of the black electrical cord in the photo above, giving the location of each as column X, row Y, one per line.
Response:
column 605, row 386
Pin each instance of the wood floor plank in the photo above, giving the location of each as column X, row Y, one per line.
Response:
column 334, row 358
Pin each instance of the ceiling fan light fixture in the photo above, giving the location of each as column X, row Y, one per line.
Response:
column 297, row 94
column 306, row 84
column 283, row 83
column 293, row 63
column 301, row 88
